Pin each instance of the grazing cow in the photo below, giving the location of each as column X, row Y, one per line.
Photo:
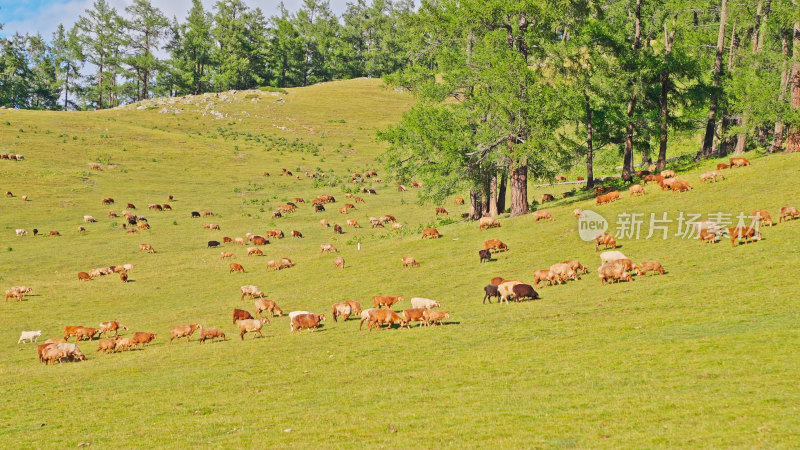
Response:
column 605, row 239
column 419, row 302
column 319, row 208
column 458, row 201
column 328, row 248
column 264, row 304
column 414, row 314
column 495, row 244
column 240, row 314
column 611, row 256
column 433, row 317
column 668, row 174
column 627, row 264
column 54, row 233
column 432, row 233
column 238, row 241
column 564, row 272
column 338, row 263
column 524, row 291
column 749, row 234
column 84, row 276
column 106, row 345
column 146, row 248
column 490, row 290
column 143, row 226
column 561, row 178
column 125, row 344
column 388, row 218
column 353, row 223
column 762, row 216
column 254, row 251
column 385, row 300
column 602, row 199
column 141, row 338
column 277, row 214
column 89, row 219
column 184, row 331
column 543, row 215
column 401, row 188
column 86, row 332
column 250, row 291
column 649, row 266
column 111, row 325
column 636, row 189
column 708, row 231
column 131, row 206
column 195, row 214
column 396, row 226
column 236, row 268
column 789, row 212
column 485, row 255
column 358, row 200
column 285, row 263
column 272, row 265
column 112, row 214
column 224, row 255
column 298, row 234
column 341, row 309
column 211, row 226
column 299, row 200
column 723, row 166
column 739, row 162
column 260, row 240
column 307, row 321
column 377, row 317
column 544, row 275
column 441, row 211
column 547, row 198
column 506, row 289
column 487, row 222
column 576, row 266
column 213, row 244
column 324, row 223
column 614, row 272
column 409, row 261
column 81, row 229
column 166, row 207
column 375, row 222
column 211, row 333
column 226, row 239
column 13, row 293
column 30, row 336
column 343, row 210
column 337, row 229
column 207, row 213
column 680, row 186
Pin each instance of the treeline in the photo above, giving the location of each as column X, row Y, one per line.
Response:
column 111, row 57
column 512, row 90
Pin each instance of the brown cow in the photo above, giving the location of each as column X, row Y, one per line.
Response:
column 226, row 239
column 432, row 233
column 54, row 233
column 358, row 200
column 762, row 216
column 650, row 266
column 414, row 314
column 543, row 214
column 385, row 300
column 224, row 255
column 739, row 162
column 614, row 272
column 495, row 244
column 297, row 234
column 458, row 201
column 236, row 268
column 575, row 265
column 268, row 305
column 285, row 263
column 211, row 333
column 431, row 317
column 722, row 166
column 307, row 321
column 239, row 314
column 605, row 239
column 636, row 189
column 141, row 338
column 353, row 223
column 184, row 331
column 86, row 332
column 328, row 248
column 789, row 212
column 146, row 248
column 749, row 234
column 106, row 345
column 409, row 261
column 441, row 211
column 545, row 275
column 111, row 325
column 84, row 276
column 338, row 263
column 376, row 317
column 260, row 240
column 254, row 251
column 337, row 229
column 547, row 198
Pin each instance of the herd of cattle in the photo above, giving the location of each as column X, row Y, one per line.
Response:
column 615, row 267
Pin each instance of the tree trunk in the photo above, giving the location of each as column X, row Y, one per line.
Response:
column 493, row 194
column 475, row 205
column 501, row 192
column 777, row 140
column 589, row 142
column 519, row 189
column 100, row 87
column 66, row 87
column 741, row 138
column 708, row 140
column 665, row 88
column 793, row 135
column 627, row 163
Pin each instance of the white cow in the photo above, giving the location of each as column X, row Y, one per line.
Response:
column 30, row 336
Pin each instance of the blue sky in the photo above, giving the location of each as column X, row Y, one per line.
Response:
column 43, row 16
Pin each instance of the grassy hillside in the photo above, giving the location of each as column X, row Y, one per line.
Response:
column 704, row 355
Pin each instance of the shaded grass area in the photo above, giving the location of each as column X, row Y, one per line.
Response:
column 704, row 355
